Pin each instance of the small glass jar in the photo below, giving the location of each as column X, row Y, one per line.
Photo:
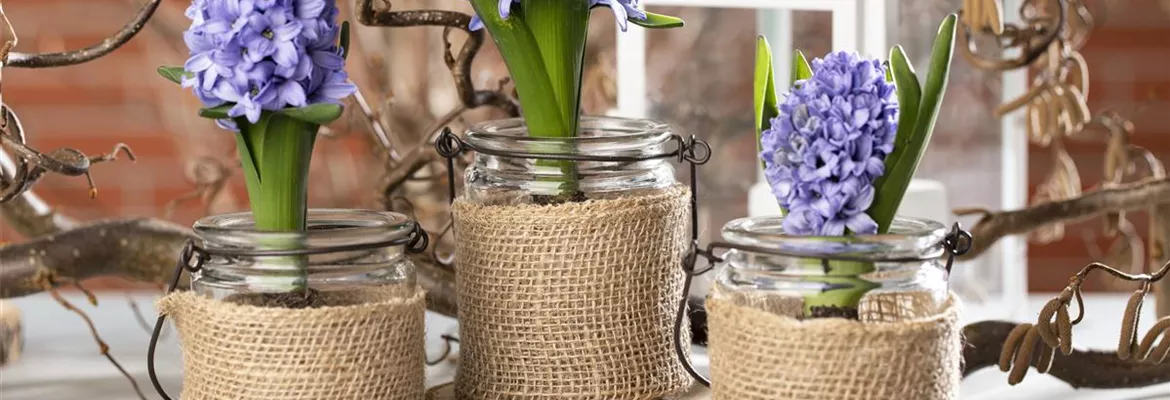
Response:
column 891, row 276
column 501, row 180
column 223, row 277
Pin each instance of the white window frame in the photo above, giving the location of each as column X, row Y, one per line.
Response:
column 851, row 20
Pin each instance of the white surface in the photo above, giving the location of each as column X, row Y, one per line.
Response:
column 61, row 361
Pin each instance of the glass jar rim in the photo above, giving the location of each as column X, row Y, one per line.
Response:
column 496, row 134
column 908, row 238
column 327, row 228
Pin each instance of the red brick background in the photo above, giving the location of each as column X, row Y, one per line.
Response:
column 1129, row 68
column 117, row 99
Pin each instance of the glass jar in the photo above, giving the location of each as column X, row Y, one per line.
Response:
column 223, row 277
column 897, row 275
column 501, row 180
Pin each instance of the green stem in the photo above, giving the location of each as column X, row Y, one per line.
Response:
column 845, row 285
column 560, row 29
column 275, row 153
column 543, row 45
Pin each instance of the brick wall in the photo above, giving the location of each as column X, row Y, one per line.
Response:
column 1128, row 55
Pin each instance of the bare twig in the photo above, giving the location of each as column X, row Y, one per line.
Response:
column 27, row 213
column 460, row 65
column 210, row 176
column 31, row 165
column 61, row 59
column 48, row 284
column 1131, row 196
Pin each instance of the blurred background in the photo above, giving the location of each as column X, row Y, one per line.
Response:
column 698, row 80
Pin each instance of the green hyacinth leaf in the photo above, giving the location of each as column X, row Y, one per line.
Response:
column 516, row 43
column 217, row 112
column 320, row 114
column 658, row 21
column 173, row 74
column 764, row 88
column 560, row 29
column 800, row 68
column 344, row 40
column 889, row 195
column 909, row 95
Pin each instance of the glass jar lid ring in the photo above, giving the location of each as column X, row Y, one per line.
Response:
column 692, row 150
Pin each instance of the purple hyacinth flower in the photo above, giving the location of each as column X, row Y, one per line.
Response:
column 264, row 55
column 271, row 35
column 329, row 87
column 828, row 145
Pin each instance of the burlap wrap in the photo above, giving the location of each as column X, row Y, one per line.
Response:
column 358, row 345
column 572, row 301
column 759, row 354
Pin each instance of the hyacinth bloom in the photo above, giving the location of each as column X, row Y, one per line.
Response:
column 828, row 145
column 264, row 55
column 273, row 72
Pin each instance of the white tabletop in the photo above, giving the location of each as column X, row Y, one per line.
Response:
column 61, row 361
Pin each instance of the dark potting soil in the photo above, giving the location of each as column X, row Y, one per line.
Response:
column 300, row 299
column 833, row 312
column 546, row 200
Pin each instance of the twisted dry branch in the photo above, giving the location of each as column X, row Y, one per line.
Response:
column 74, row 57
column 996, row 225
column 31, row 165
column 1031, row 38
column 983, row 342
column 1028, row 345
column 139, row 249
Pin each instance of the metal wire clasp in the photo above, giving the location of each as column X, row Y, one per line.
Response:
column 190, row 253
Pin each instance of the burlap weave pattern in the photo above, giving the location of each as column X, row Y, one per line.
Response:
column 362, row 345
column 572, row 301
column 757, row 354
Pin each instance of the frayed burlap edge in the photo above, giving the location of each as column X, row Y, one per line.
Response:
column 372, row 349
column 571, row 301
column 757, row 354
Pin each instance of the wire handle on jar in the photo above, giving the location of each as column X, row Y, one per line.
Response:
column 956, row 243
column 193, row 257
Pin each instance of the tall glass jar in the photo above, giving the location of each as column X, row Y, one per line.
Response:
column 857, row 277
column 498, row 180
column 224, row 277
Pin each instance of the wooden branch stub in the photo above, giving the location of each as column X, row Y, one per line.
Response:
column 139, row 249
column 11, row 335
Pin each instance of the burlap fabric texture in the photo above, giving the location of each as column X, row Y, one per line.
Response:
column 904, row 348
column 365, row 345
column 571, row 301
